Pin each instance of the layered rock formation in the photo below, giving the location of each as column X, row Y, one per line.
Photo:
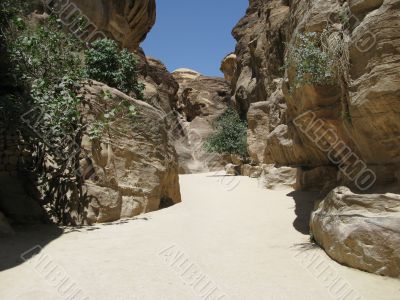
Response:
column 228, row 67
column 201, row 100
column 132, row 169
column 127, row 22
column 360, row 111
column 344, row 132
column 161, row 89
column 361, row 231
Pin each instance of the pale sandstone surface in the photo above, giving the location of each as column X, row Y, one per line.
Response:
column 133, row 164
column 201, row 100
column 362, row 231
column 242, row 240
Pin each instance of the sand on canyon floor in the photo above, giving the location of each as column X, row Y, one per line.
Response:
column 228, row 239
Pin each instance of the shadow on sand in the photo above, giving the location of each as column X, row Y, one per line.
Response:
column 304, row 206
column 30, row 239
column 25, row 239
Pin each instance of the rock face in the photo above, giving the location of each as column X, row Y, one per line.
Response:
column 133, row 168
column 344, row 132
column 127, row 21
column 362, row 231
column 201, row 100
column 161, row 89
column 278, row 178
column 259, row 51
column 228, row 67
column 360, row 108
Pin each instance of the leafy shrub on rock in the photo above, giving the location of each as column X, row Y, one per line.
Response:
column 46, row 61
column 312, row 64
column 114, row 67
column 230, row 136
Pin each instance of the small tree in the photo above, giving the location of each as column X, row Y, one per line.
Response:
column 48, row 67
column 106, row 63
column 230, row 136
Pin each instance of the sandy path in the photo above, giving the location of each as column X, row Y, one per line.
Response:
column 243, row 242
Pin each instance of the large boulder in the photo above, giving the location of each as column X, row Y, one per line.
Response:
column 126, row 21
column 275, row 178
column 361, row 231
column 132, row 168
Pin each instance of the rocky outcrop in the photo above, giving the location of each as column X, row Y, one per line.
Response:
column 232, row 170
column 338, row 132
column 277, row 178
column 362, row 231
column 132, row 168
column 161, row 89
column 201, row 100
column 260, row 51
column 360, row 107
column 228, row 67
column 127, row 22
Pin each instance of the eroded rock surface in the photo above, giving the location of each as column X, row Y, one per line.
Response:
column 363, row 111
column 201, row 100
column 133, row 168
column 362, row 231
column 228, row 66
column 161, row 89
column 278, row 178
column 126, row 21
column 357, row 111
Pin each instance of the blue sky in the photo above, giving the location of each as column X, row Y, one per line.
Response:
column 194, row 34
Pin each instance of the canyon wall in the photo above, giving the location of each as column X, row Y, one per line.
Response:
column 201, row 100
column 132, row 169
column 362, row 112
column 125, row 21
column 341, row 132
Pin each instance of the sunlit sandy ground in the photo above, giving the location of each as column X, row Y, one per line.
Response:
column 228, row 239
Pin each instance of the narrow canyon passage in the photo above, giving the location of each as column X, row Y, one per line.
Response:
column 245, row 241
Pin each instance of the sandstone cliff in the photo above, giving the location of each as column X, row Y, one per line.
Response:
column 132, row 168
column 341, row 132
column 201, row 100
column 127, row 22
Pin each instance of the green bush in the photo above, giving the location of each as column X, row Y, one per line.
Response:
column 50, row 70
column 230, row 136
column 114, row 67
column 47, row 64
column 47, row 61
column 312, row 64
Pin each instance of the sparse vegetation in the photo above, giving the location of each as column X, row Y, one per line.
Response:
column 49, row 67
column 123, row 110
column 312, row 64
column 230, row 136
column 114, row 67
